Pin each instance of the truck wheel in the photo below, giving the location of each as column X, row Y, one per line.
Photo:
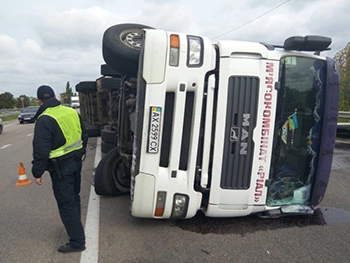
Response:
column 111, row 175
column 86, row 86
column 121, row 47
column 108, row 136
column 106, row 147
column 93, row 131
column 106, row 70
column 111, row 83
column 104, row 182
column 122, row 176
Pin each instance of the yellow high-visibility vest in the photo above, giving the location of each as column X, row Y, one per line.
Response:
column 69, row 123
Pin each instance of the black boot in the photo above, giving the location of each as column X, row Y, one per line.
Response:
column 67, row 248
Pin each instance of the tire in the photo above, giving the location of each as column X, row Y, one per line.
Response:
column 106, row 147
column 1, row 129
column 103, row 181
column 108, row 136
column 86, row 86
column 111, row 83
column 106, row 70
column 93, row 131
column 121, row 47
column 111, row 177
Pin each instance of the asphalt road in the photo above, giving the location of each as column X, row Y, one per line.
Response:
column 30, row 227
column 31, row 230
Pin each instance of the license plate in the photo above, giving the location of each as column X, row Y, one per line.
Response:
column 154, row 128
column 26, row 119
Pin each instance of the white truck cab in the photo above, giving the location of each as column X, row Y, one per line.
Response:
column 228, row 128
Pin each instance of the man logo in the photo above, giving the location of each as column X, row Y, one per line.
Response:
column 234, row 134
column 241, row 134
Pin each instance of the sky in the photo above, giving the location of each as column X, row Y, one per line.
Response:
column 52, row 42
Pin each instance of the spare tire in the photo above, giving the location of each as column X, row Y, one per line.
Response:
column 121, row 47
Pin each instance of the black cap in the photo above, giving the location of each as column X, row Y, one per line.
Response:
column 45, row 92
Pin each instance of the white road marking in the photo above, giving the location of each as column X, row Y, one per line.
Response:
column 90, row 254
column 5, row 146
column 30, row 134
column 342, row 141
column 10, row 124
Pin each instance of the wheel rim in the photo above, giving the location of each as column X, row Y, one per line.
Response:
column 132, row 38
column 120, row 174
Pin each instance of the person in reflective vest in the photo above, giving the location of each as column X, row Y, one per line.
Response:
column 59, row 144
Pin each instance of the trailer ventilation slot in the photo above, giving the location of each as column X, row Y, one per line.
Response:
column 242, row 105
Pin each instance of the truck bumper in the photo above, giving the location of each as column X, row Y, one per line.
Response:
column 143, row 200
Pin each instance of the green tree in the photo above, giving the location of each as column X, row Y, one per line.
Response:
column 342, row 57
column 7, row 101
column 66, row 96
column 25, row 103
column 33, row 101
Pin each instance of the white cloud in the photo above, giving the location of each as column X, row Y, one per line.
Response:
column 74, row 28
column 30, row 46
column 8, row 46
column 53, row 42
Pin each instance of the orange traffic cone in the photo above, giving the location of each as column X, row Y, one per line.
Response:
column 22, row 177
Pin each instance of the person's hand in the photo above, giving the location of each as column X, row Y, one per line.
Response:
column 39, row 181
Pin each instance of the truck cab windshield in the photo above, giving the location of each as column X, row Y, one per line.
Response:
column 298, row 127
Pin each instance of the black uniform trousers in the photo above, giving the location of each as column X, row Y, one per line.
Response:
column 66, row 190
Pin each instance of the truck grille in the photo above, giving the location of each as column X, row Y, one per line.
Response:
column 242, row 105
column 186, row 132
column 168, row 129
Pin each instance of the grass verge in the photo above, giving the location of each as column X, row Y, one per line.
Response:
column 10, row 118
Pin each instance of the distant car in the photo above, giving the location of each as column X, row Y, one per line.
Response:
column 75, row 102
column 1, row 126
column 67, row 104
column 27, row 114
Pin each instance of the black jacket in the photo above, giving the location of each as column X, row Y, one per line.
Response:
column 48, row 136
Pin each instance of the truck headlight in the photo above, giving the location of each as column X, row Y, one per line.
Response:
column 180, row 205
column 195, row 51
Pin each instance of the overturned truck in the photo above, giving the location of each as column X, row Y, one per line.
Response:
column 229, row 128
